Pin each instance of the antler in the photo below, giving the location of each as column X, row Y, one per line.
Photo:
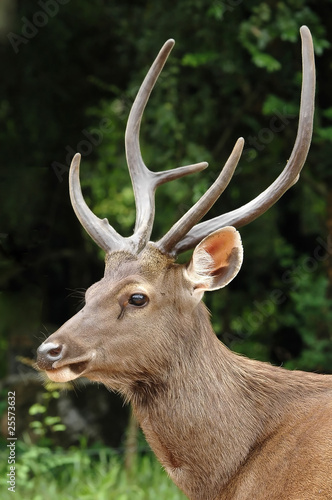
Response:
column 185, row 234
column 144, row 180
column 175, row 242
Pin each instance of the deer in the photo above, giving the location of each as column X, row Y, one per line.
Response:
column 223, row 426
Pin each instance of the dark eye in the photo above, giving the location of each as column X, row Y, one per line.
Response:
column 138, row 299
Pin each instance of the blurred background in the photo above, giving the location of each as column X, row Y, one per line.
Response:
column 69, row 73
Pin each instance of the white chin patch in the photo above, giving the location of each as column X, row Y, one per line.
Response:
column 64, row 374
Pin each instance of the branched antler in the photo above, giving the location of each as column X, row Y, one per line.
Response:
column 186, row 233
column 144, row 180
column 289, row 176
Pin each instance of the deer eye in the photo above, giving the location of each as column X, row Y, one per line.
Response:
column 138, row 299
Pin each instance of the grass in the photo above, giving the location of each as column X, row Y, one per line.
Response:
column 87, row 474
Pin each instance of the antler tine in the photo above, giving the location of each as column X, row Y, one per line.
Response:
column 99, row 229
column 145, row 181
column 203, row 205
column 289, row 175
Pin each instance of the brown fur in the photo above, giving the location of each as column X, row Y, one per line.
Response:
column 223, row 426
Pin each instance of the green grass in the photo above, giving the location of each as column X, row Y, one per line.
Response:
column 45, row 474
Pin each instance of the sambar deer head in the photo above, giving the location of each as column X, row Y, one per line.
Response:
column 145, row 333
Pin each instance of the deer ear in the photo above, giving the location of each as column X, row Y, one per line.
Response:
column 216, row 260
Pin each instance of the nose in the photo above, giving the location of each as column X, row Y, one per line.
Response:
column 47, row 354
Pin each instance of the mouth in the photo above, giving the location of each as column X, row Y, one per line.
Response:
column 69, row 371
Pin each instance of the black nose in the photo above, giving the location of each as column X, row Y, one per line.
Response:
column 47, row 354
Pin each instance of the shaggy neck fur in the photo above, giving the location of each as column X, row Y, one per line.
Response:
column 212, row 409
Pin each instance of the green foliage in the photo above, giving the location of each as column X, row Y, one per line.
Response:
column 299, row 303
column 45, row 425
column 312, row 316
column 267, row 23
column 87, row 474
column 199, row 59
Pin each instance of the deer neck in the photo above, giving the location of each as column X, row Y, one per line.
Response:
column 210, row 410
column 192, row 419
